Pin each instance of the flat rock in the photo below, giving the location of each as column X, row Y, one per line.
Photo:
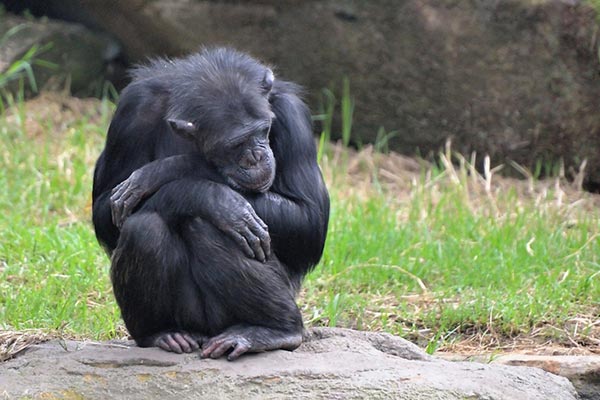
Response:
column 331, row 364
column 582, row 371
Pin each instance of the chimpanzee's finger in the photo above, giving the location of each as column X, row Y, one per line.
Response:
column 261, row 230
column 255, row 244
column 116, row 202
column 130, row 202
column 122, row 205
column 259, row 220
column 241, row 241
column 115, row 210
column 118, row 210
column 169, row 344
column 193, row 340
column 263, row 237
column 182, row 342
column 210, row 345
column 222, row 348
column 240, row 348
column 119, row 190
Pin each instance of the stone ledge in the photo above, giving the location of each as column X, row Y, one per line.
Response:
column 582, row 371
column 331, row 364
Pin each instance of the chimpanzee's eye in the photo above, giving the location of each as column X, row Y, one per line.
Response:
column 240, row 146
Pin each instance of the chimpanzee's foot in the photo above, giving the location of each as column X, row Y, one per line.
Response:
column 242, row 339
column 175, row 341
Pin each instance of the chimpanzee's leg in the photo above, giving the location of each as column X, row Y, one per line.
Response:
column 249, row 305
column 151, row 279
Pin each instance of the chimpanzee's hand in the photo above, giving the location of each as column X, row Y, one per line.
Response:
column 232, row 214
column 126, row 196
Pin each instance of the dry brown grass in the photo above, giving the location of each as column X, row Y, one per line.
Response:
column 14, row 342
column 398, row 177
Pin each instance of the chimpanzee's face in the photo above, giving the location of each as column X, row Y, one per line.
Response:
column 233, row 134
column 245, row 157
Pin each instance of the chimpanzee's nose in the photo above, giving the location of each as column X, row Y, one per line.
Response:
column 252, row 157
column 259, row 154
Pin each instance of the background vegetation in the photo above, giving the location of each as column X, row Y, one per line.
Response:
column 442, row 255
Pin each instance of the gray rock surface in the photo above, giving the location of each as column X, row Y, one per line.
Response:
column 331, row 364
column 582, row 371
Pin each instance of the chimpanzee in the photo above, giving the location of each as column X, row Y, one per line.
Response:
column 210, row 202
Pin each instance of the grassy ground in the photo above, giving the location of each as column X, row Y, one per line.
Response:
column 446, row 257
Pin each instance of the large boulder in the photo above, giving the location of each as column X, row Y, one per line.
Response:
column 65, row 55
column 331, row 364
column 514, row 79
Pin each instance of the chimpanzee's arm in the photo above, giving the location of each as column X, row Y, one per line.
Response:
column 216, row 203
column 296, row 208
column 292, row 219
column 146, row 180
column 129, row 145
column 185, row 186
column 137, row 132
column 297, row 228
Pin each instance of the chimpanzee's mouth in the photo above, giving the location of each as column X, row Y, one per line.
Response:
column 256, row 180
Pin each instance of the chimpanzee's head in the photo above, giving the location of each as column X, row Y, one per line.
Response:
column 225, row 112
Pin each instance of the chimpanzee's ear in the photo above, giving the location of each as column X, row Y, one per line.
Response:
column 185, row 129
column 267, row 82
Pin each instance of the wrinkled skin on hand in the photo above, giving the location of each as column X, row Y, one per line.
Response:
column 236, row 217
column 127, row 195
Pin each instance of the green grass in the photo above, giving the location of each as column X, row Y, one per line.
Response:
column 436, row 257
column 507, row 274
column 52, row 273
column 460, row 256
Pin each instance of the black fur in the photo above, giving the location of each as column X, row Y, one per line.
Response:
column 180, row 272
